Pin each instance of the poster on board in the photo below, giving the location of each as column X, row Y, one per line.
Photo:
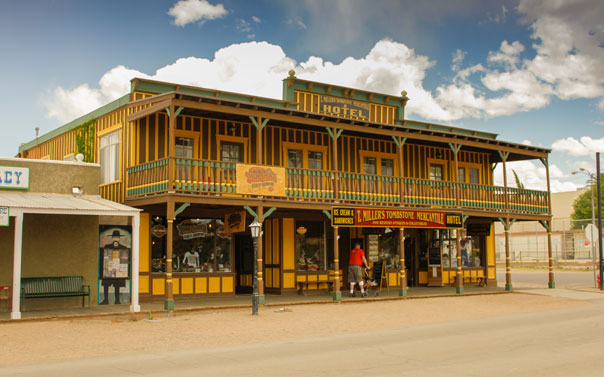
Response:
column 115, row 243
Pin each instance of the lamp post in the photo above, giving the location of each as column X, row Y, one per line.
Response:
column 593, row 216
column 255, row 228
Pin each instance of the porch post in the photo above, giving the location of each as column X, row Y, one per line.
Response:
column 551, row 283
column 134, row 305
column 336, row 179
column 401, row 242
column 171, row 150
column 169, row 300
column 459, row 277
column 17, row 252
column 508, row 269
column 259, row 261
column 337, row 295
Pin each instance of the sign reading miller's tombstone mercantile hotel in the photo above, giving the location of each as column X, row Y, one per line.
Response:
column 344, row 107
column 394, row 218
column 14, row 177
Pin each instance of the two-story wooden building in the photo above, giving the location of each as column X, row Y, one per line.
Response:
column 323, row 168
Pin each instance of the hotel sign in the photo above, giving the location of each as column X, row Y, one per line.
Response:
column 14, row 178
column 394, row 218
column 260, row 180
column 344, row 107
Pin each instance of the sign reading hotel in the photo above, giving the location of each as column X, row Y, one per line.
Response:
column 4, row 216
column 260, row 180
column 394, row 218
column 344, row 107
column 14, row 178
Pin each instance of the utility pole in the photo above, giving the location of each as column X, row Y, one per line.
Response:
column 600, row 218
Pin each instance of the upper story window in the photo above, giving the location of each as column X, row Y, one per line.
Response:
column 436, row 172
column 468, row 175
column 315, row 160
column 184, row 147
column 369, row 165
column 387, row 167
column 474, row 175
column 109, row 157
column 231, row 152
column 294, row 158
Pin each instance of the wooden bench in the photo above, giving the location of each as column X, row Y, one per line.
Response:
column 304, row 284
column 55, row 286
column 481, row 281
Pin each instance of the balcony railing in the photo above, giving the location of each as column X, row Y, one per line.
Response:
column 215, row 178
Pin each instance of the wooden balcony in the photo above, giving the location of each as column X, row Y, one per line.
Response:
column 214, row 178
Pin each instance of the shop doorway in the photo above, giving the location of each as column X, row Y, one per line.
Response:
column 344, row 246
column 411, row 257
column 244, row 263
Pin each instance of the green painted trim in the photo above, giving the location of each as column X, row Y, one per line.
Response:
column 512, row 221
column 396, row 141
column 254, row 121
column 169, row 305
column 503, row 155
column 459, row 290
column 168, row 111
column 545, row 225
column 329, row 132
column 465, row 218
column 551, row 285
column 454, row 148
column 181, row 209
column 261, row 300
column 544, row 161
column 264, row 123
column 508, row 287
column 337, row 296
column 504, row 222
column 251, row 212
column 111, row 106
column 268, row 213
column 181, row 108
column 403, row 292
column 327, row 213
column 339, row 133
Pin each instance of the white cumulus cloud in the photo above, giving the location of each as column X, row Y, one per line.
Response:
column 585, row 146
column 189, row 11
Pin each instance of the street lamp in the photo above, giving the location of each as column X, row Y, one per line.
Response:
column 255, row 229
column 593, row 215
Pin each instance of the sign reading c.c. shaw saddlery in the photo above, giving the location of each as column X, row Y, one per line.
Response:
column 395, row 218
column 260, row 180
column 344, row 107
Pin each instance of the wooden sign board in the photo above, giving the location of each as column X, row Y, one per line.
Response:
column 395, row 218
column 260, row 180
column 234, row 222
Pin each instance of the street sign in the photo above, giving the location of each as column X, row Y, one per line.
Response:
column 591, row 232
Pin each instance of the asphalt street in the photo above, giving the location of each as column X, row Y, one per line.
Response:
column 558, row 342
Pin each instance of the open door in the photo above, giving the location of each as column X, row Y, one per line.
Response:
column 244, row 263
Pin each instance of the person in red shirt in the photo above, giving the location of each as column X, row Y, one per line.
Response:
column 356, row 259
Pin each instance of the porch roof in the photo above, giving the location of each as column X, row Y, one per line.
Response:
column 62, row 203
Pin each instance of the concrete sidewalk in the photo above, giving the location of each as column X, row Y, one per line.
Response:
column 155, row 308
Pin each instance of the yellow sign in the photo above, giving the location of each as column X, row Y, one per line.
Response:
column 260, row 180
column 344, row 107
column 234, row 222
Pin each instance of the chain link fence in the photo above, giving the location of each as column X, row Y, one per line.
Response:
column 528, row 242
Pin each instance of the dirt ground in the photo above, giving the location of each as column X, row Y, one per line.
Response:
column 28, row 342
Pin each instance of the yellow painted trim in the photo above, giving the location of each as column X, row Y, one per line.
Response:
column 214, row 284
column 471, row 165
column 143, row 284
column 201, row 285
column 109, row 130
column 227, row 284
column 186, row 286
column 289, row 280
column 379, row 156
column 305, row 148
column 438, row 161
column 47, row 157
column 233, row 139
column 190, row 135
column 176, row 286
column 144, row 245
column 288, row 245
column 159, row 286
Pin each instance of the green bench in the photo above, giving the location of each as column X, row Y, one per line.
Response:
column 55, row 286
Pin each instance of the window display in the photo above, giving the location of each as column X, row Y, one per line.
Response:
column 199, row 245
column 310, row 246
column 389, row 253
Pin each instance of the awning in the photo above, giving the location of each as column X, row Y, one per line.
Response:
column 61, row 203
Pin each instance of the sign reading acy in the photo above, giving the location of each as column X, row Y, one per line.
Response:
column 14, row 178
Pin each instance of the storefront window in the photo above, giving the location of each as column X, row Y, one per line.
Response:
column 471, row 255
column 388, row 249
column 310, row 246
column 200, row 245
column 449, row 240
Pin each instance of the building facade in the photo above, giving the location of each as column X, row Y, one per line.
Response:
column 202, row 164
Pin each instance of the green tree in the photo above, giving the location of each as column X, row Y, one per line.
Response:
column 582, row 205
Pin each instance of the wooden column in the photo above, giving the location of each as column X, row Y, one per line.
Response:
column 259, row 261
column 337, row 295
column 551, row 283
column 17, row 260
column 507, row 225
column 336, row 180
column 171, row 149
column 401, row 241
column 459, row 275
column 259, row 143
column 399, row 143
column 169, row 300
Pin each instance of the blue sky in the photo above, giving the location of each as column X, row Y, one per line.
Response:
column 530, row 71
